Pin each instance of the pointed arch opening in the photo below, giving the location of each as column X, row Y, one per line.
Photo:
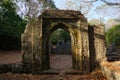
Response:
column 60, row 49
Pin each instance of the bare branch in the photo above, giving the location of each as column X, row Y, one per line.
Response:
column 111, row 3
column 108, row 2
column 89, row 1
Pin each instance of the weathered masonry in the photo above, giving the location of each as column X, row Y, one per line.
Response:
column 87, row 42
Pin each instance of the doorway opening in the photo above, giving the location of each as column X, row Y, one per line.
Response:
column 60, row 50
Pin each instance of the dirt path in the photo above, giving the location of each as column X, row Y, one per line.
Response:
column 93, row 76
column 56, row 62
column 60, row 61
column 10, row 57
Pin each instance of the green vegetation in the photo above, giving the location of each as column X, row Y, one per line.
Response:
column 11, row 26
column 59, row 34
column 113, row 35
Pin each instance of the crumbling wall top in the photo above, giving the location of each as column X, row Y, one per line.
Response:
column 62, row 14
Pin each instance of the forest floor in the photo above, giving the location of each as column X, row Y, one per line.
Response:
column 56, row 62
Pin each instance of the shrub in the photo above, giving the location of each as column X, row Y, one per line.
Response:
column 113, row 35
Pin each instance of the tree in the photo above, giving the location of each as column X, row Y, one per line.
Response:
column 111, row 2
column 31, row 9
column 108, row 11
column 59, row 34
column 111, row 22
column 64, row 35
column 113, row 35
column 80, row 5
column 11, row 25
column 108, row 2
column 107, row 7
column 54, row 37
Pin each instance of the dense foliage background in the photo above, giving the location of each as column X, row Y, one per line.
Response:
column 113, row 35
column 14, row 15
column 11, row 26
column 59, row 34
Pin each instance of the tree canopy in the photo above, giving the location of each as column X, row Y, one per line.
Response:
column 59, row 34
column 11, row 25
column 113, row 35
column 13, row 16
column 100, row 8
column 31, row 9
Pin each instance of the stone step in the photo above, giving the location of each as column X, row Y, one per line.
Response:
column 62, row 72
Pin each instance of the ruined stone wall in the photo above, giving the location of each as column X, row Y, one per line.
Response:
column 97, row 45
column 111, row 70
column 87, row 43
column 31, row 49
column 78, row 30
column 100, row 49
column 85, row 47
column 27, row 48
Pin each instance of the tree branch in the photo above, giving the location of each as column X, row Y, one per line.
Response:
column 108, row 2
column 111, row 3
column 89, row 1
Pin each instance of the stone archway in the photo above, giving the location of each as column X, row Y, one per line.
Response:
column 55, row 26
column 74, row 38
column 35, row 39
column 76, row 41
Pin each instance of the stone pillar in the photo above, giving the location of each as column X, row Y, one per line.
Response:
column 92, row 48
column 45, row 48
column 37, row 47
column 97, row 45
column 27, row 49
column 80, row 48
column 32, row 47
column 99, row 36
column 76, row 46
column 85, row 49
